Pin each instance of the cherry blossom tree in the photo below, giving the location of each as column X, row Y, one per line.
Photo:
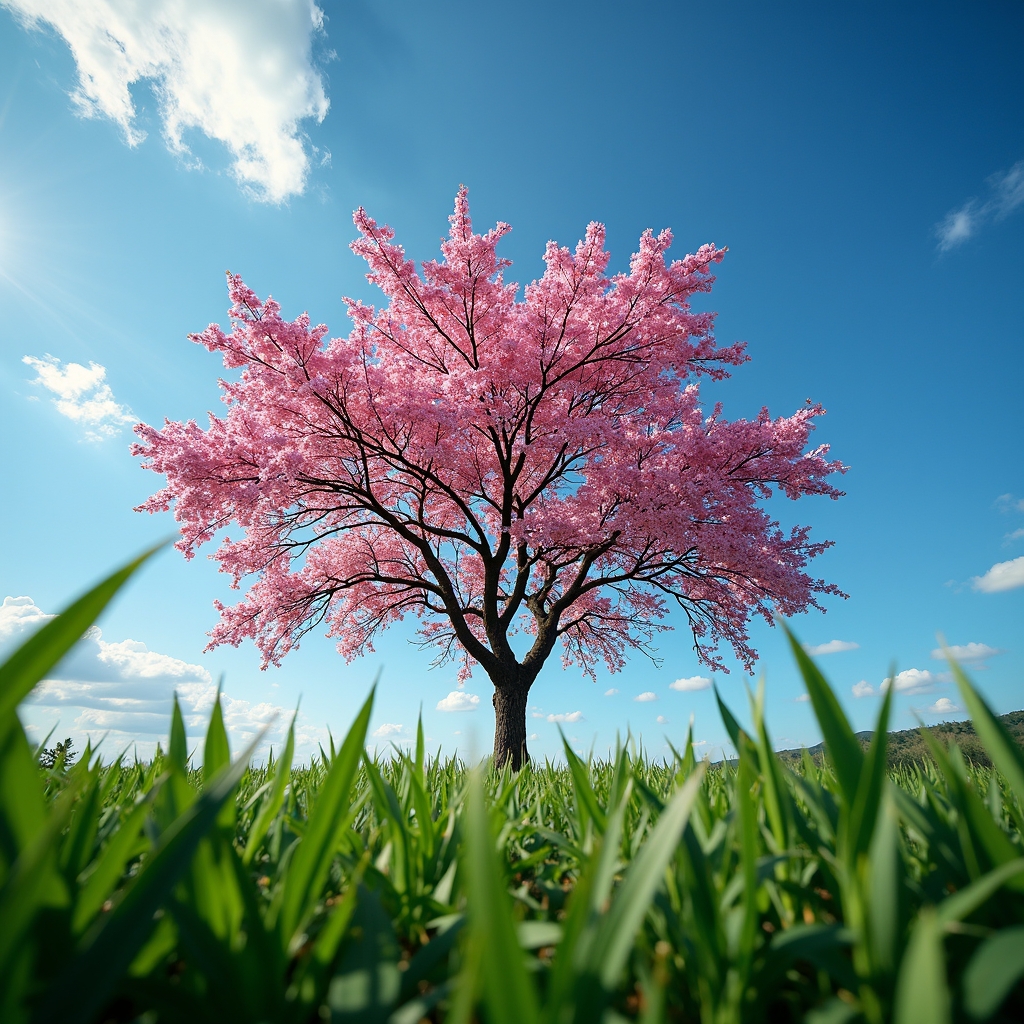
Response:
column 493, row 465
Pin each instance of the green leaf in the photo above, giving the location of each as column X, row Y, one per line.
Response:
column 31, row 662
column 109, row 946
column 999, row 744
column 996, row 966
column 272, row 802
column 645, row 876
column 864, row 812
column 216, row 755
column 109, row 866
column 922, row 993
column 963, row 903
column 843, row 746
column 507, row 990
column 177, row 746
column 312, row 859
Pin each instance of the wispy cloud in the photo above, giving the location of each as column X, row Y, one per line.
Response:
column 459, row 700
column 611, row 692
column 970, row 654
column 689, row 684
column 832, row 647
column 82, row 395
column 1005, row 195
column 238, row 71
column 662, row 720
column 1002, row 576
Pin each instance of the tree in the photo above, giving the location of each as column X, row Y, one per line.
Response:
column 60, row 757
column 493, row 466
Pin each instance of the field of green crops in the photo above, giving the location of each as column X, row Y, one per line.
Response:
column 413, row 888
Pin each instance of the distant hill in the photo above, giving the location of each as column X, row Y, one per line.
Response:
column 907, row 747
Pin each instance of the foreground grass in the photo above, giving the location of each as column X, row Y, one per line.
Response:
column 410, row 888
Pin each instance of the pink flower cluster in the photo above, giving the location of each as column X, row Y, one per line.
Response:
column 489, row 463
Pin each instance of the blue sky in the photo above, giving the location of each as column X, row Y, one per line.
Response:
column 862, row 162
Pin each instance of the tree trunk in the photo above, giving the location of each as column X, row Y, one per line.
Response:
column 510, row 725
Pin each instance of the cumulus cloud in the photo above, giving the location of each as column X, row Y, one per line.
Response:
column 1002, row 576
column 943, row 706
column 662, row 720
column 611, row 692
column 1005, row 195
column 863, row 689
column 969, row 654
column 387, row 729
column 459, row 700
column 832, row 647
column 644, row 698
column 237, row 71
column 688, row 685
column 912, row 680
column 123, row 688
column 82, row 395
column 572, row 716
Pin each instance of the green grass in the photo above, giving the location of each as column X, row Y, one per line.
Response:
column 408, row 887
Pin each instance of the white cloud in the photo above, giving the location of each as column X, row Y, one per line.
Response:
column 971, row 654
column 532, row 736
column 1008, row 503
column 81, row 395
column 238, row 71
column 912, row 680
column 387, row 729
column 832, row 647
column 1002, row 576
column 957, row 226
column 459, row 700
column 611, row 692
column 645, row 698
column 943, row 706
column 662, row 720
column 572, row 716
column 125, row 689
column 803, row 698
column 687, row 685
column 863, row 689
column 1006, row 194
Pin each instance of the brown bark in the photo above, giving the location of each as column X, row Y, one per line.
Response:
column 510, row 725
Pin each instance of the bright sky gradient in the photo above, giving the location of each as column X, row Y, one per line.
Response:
column 864, row 163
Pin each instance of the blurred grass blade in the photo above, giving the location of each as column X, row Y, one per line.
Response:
column 922, row 992
column 996, row 966
column 843, row 746
column 963, row 903
column 507, row 989
column 31, row 662
column 1005, row 752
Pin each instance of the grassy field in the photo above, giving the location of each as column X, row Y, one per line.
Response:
column 412, row 888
